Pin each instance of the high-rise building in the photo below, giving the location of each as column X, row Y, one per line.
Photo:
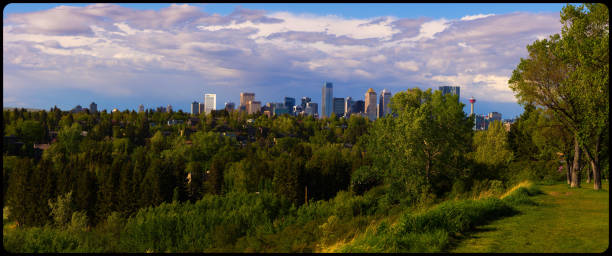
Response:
column 195, row 108
column 358, row 107
column 202, row 107
column 140, row 108
column 383, row 105
column 339, row 107
column 210, row 102
column 348, row 103
column 245, row 97
column 289, row 102
column 370, row 104
column 229, row 106
column 304, row 101
column 472, row 101
column 454, row 90
column 253, row 107
column 495, row 116
column 327, row 99
column 279, row 108
column 312, row 109
column 93, row 108
column 169, row 108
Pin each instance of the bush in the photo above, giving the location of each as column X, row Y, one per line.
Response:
column 365, row 178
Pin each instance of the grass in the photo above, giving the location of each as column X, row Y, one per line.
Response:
column 562, row 220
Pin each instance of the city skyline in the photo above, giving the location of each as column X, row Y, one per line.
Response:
column 121, row 59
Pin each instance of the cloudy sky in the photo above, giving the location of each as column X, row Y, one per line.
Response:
column 123, row 55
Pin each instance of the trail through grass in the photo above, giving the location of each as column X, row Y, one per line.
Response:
column 564, row 221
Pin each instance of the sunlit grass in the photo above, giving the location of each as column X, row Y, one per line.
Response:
column 563, row 221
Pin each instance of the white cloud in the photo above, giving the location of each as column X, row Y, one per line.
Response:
column 407, row 65
column 475, row 17
column 131, row 51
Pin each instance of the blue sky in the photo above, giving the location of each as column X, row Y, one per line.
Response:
column 123, row 55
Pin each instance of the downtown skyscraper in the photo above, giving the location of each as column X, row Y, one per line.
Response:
column 210, row 102
column 327, row 99
column 371, row 109
column 383, row 105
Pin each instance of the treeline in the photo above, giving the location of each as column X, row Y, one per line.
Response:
column 124, row 162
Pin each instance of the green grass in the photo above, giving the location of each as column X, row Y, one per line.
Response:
column 562, row 220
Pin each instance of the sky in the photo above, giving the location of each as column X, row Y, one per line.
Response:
column 124, row 55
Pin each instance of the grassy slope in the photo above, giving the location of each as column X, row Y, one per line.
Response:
column 567, row 220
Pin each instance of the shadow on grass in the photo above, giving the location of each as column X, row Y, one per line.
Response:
column 456, row 239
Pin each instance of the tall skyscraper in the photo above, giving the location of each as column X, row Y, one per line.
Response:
column 253, row 107
column 339, row 107
column 370, row 104
column 383, row 106
column 93, row 108
column 348, row 103
column 169, row 108
column 327, row 99
column 140, row 108
column 195, row 108
column 210, row 102
column 304, row 101
column 245, row 97
column 358, row 107
column 454, row 90
column 289, row 102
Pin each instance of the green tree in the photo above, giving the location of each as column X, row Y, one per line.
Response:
column 568, row 74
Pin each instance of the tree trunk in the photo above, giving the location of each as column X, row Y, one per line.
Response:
column 596, row 175
column 575, row 182
column 568, row 172
column 594, row 160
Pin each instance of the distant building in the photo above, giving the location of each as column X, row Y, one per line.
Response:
column 383, row 105
column 495, row 116
column 229, row 106
column 348, row 103
column 297, row 110
column 114, row 110
column 253, row 107
column 169, row 108
column 358, row 107
column 140, row 108
column 338, row 107
column 312, row 109
column 371, row 109
column 327, row 99
column 77, row 109
column 305, row 100
column 480, row 122
column 210, row 102
column 93, row 108
column 278, row 108
column 245, row 97
column 202, row 108
column 195, row 108
column 289, row 102
column 454, row 90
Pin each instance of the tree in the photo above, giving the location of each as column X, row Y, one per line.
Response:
column 492, row 146
column 422, row 148
column 568, row 75
column 62, row 209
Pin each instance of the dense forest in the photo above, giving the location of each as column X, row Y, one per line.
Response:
column 228, row 181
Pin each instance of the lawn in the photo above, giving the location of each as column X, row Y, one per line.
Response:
column 564, row 221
